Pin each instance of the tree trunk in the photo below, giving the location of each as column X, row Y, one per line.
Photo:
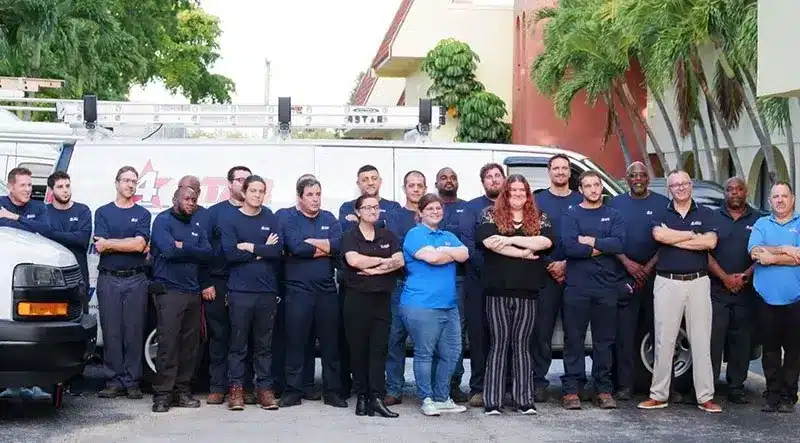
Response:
column 712, row 167
column 627, row 101
column 672, row 135
column 697, row 66
column 696, row 154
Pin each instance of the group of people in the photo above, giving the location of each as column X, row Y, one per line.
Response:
column 497, row 270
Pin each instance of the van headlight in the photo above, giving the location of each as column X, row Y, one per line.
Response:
column 38, row 276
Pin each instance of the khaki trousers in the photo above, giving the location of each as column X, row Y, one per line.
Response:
column 672, row 300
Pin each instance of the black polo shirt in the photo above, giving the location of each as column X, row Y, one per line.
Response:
column 675, row 260
column 384, row 245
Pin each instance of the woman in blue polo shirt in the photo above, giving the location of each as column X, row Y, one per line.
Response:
column 428, row 305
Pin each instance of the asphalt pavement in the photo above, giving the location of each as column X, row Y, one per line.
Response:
column 89, row 419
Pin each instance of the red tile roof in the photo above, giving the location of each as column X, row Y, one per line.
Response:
column 385, row 49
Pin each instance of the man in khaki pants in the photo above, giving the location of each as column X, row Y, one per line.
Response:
column 685, row 233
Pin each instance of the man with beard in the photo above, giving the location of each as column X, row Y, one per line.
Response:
column 638, row 207
column 312, row 237
column 493, row 178
column 400, row 221
column 686, row 232
column 553, row 201
column 71, row 223
column 592, row 235
column 179, row 245
column 121, row 234
column 369, row 183
column 17, row 210
column 774, row 245
column 732, row 295
column 447, row 188
column 215, row 294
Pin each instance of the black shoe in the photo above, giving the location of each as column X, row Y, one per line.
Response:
column 540, row 395
column 111, row 392
column 333, row 399
column 376, row 406
column 185, row 400
column 134, row 393
column 290, row 399
column 361, row 405
column 160, row 406
column 624, row 394
column 738, row 398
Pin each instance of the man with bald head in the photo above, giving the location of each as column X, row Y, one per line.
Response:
column 686, row 233
column 638, row 207
column 180, row 244
column 732, row 294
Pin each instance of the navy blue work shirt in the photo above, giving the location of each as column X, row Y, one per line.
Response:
column 674, row 260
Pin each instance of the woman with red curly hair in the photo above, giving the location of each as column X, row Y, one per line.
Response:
column 513, row 234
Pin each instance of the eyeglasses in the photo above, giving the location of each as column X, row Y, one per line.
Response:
column 369, row 208
column 680, row 185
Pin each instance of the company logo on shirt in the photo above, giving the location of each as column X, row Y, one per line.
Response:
column 385, row 246
column 696, row 223
column 605, row 219
column 73, row 219
column 265, row 228
column 325, row 228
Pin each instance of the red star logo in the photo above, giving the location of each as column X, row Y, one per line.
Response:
column 155, row 200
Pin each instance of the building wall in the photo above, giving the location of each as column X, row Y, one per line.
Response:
column 487, row 29
column 534, row 120
column 778, row 35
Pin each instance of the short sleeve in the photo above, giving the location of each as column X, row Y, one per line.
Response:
column 349, row 243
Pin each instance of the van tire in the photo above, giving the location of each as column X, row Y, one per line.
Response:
column 643, row 362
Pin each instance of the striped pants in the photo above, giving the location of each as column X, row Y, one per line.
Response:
column 510, row 322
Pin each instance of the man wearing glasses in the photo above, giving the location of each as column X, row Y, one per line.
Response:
column 686, row 232
column 639, row 207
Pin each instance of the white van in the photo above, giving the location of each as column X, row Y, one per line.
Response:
column 45, row 335
column 92, row 165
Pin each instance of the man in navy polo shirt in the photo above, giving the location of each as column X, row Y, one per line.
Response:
column 732, row 294
column 774, row 245
column 686, row 234
column 638, row 207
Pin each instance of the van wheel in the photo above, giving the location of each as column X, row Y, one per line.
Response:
column 681, row 362
column 57, row 397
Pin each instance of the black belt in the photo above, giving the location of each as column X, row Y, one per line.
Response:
column 683, row 277
column 124, row 273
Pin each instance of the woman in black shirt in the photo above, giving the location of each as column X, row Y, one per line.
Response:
column 373, row 258
column 512, row 233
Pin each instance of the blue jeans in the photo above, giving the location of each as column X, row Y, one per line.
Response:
column 396, row 357
column 437, row 336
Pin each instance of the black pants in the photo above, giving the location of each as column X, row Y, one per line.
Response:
column 367, row 321
column 548, row 308
column 178, row 316
column 303, row 308
column 218, row 326
column 511, row 323
column 731, row 330
column 477, row 332
column 251, row 315
column 781, row 357
column 581, row 309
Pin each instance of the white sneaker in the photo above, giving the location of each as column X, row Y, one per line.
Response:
column 429, row 408
column 449, row 406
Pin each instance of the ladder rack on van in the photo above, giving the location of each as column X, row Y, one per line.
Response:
column 91, row 113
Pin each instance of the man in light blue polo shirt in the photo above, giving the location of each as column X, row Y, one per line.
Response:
column 774, row 245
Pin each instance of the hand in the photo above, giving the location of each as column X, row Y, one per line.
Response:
column 101, row 244
column 272, row 239
column 248, row 247
column 586, row 240
column 209, row 293
column 5, row 213
column 351, row 217
column 178, row 244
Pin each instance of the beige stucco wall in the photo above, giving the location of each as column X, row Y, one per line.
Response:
column 778, row 35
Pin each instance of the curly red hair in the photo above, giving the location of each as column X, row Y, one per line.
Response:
column 531, row 216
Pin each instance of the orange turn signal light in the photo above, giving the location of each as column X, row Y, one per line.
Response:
column 39, row 309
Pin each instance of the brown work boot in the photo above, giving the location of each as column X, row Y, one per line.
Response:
column 215, row 398
column 652, row 404
column 606, row 401
column 391, row 400
column 236, row 398
column 266, row 399
column 476, row 400
column 571, row 401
